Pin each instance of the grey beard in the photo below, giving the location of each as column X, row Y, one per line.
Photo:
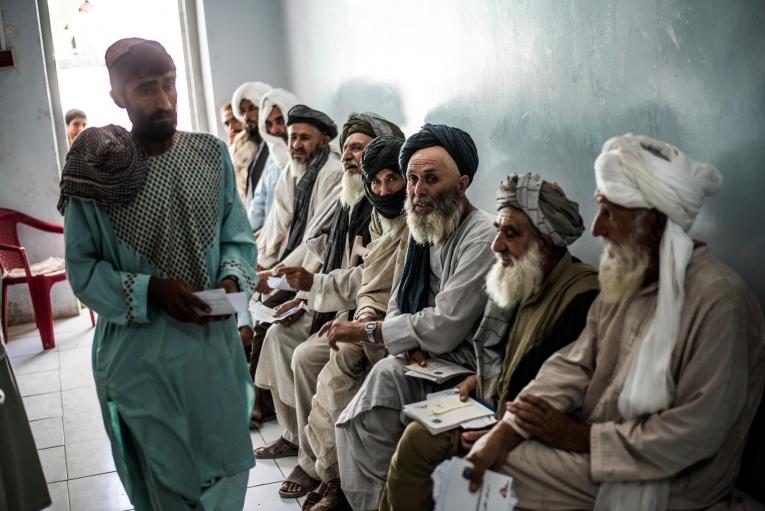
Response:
column 513, row 285
column 622, row 270
column 437, row 226
column 299, row 168
column 352, row 189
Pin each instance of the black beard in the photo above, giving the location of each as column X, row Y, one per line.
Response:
column 255, row 135
column 148, row 131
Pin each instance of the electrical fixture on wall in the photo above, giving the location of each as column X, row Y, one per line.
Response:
column 7, row 59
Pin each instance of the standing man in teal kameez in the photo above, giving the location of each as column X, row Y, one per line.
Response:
column 151, row 216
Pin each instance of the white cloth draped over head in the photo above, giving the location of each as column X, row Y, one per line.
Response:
column 251, row 91
column 284, row 99
column 635, row 171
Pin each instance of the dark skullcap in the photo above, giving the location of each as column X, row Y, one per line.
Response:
column 73, row 114
column 545, row 204
column 457, row 143
column 368, row 123
column 135, row 58
column 380, row 154
column 302, row 113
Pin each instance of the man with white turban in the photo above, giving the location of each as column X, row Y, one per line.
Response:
column 650, row 407
column 250, row 160
column 272, row 126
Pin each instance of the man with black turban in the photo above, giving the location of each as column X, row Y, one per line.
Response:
column 293, row 353
column 151, row 217
column 539, row 295
column 433, row 313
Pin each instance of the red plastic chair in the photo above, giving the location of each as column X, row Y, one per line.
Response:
column 12, row 256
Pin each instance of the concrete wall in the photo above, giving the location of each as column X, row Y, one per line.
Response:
column 246, row 42
column 541, row 84
column 29, row 164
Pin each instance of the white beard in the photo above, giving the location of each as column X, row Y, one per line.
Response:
column 512, row 285
column 298, row 168
column 438, row 225
column 352, row 189
column 622, row 270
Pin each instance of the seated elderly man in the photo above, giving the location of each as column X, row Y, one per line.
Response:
column 354, row 350
column 341, row 234
column 649, row 408
column 435, row 310
column 539, row 295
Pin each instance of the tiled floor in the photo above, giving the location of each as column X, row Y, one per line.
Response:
column 60, row 400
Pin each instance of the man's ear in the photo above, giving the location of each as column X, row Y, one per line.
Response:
column 117, row 97
column 325, row 141
column 462, row 184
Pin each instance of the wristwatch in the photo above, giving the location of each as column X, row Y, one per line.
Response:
column 369, row 329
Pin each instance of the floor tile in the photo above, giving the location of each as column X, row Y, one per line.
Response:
column 270, row 431
column 257, row 440
column 43, row 406
column 266, row 498
column 59, row 496
column 264, row 472
column 80, row 401
column 48, row 432
column 75, row 339
column 38, row 383
column 75, row 358
column 53, row 464
column 39, row 362
column 89, row 458
column 98, row 493
column 83, row 427
column 19, row 346
column 76, row 377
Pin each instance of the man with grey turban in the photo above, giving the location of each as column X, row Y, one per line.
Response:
column 293, row 352
column 650, row 407
column 539, row 295
column 151, row 218
column 434, row 312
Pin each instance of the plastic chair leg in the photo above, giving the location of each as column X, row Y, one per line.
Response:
column 40, row 291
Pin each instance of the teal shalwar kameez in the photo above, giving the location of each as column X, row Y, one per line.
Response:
column 175, row 397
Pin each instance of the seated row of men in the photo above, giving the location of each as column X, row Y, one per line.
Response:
column 628, row 387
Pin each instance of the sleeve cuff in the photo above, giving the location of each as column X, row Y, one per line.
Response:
column 398, row 335
column 314, row 294
column 509, row 418
column 136, row 289
column 599, row 470
column 247, row 283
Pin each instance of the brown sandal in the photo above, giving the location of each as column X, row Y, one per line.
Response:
column 314, row 496
column 302, row 480
column 279, row 449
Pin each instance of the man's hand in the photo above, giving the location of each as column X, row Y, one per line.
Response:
column 298, row 277
column 468, row 438
column 262, row 286
column 287, row 306
column 535, row 416
column 417, row 355
column 490, row 451
column 342, row 330
column 229, row 285
column 467, row 386
column 177, row 299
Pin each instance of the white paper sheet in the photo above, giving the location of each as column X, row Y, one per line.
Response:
column 221, row 303
column 266, row 314
column 451, row 493
column 279, row 282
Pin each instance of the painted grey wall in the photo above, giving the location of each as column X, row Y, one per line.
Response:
column 246, row 42
column 29, row 167
column 541, row 84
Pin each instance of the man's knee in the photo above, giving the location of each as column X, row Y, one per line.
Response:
column 349, row 358
column 417, row 442
column 309, row 354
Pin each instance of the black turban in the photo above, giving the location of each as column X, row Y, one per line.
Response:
column 135, row 58
column 382, row 153
column 302, row 113
column 457, row 143
column 370, row 124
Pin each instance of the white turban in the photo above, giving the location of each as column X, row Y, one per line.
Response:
column 251, row 91
column 634, row 171
column 285, row 100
